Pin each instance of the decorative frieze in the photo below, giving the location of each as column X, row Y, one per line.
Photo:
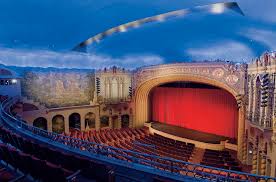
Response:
column 228, row 73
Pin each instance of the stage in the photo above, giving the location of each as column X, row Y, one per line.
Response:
column 200, row 139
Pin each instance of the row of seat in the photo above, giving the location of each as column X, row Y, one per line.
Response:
column 109, row 136
column 7, row 174
column 124, row 138
column 37, row 168
column 3, row 98
column 202, row 171
column 220, row 159
column 28, row 155
column 162, row 146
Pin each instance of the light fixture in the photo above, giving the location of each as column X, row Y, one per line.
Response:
column 14, row 81
column 217, row 8
column 122, row 29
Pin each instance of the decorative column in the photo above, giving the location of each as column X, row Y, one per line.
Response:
column 263, row 164
column 255, row 160
column 253, row 101
column 241, row 131
column 110, row 122
column 105, row 88
column 110, row 88
column 244, row 148
column 49, row 124
column 123, row 88
column 66, row 124
column 82, row 123
column 119, row 121
column 250, row 99
column 273, row 159
column 262, row 116
column 131, row 118
column 97, row 122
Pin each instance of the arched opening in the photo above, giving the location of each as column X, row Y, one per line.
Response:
column 125, row 121
column 74, row 121
column 151, row 79
column 58, row 124
column 195, row 106
column 90, row 120
column 257, row 100
column 40, row 122
column 143, row 89
column 104, row 121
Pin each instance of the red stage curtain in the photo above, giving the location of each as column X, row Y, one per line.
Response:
column 207, row 110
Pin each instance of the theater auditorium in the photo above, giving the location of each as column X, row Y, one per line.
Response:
column 169, row 122
column 64, row 118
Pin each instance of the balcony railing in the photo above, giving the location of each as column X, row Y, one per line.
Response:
column 163, row 166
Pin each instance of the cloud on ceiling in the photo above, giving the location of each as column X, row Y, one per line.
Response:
column 225, row 50
column 266, row 37
column 44, row 58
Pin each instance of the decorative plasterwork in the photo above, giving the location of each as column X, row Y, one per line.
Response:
column 227, row 73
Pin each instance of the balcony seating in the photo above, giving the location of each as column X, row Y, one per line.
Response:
column 28, row 164
column 62, row 164
column 138, row 140
column 220, row 159
column 7, row 174
column 38, row 160
column 3, row 97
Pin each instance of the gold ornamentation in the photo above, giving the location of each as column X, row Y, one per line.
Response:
column 232, row 79
column 218, row 73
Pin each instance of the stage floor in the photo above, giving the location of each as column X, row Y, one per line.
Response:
column 189, row 133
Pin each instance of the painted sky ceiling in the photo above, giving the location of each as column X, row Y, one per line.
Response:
column 43, row 33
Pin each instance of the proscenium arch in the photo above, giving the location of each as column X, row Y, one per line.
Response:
column 141, row 98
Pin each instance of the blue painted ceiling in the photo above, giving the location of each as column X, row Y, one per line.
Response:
column 42, row 33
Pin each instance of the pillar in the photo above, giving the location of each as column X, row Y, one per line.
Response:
column 262, row 116
column 119, row 121
column 105, row 88
column 49, row 124
column 110, row 89
column 241, row 131
column 244, row 149
column 131, row 120
column 66, row 124
column 97, row 122
column 273, row 160
column 255, row 160
column 82, row 123
column 123, row 88
column 263, row 165
column 253, row 102
column 110, row 124
column 250, row 99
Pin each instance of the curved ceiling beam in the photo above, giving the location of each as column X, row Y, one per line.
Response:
column 216, row 8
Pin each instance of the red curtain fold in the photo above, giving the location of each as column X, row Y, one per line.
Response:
column 207, row 110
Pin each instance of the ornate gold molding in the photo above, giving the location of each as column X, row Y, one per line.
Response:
column 229, row 74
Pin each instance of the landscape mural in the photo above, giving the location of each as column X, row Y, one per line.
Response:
column 59, row 88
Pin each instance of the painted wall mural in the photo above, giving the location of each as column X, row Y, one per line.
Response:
column 58, row 88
